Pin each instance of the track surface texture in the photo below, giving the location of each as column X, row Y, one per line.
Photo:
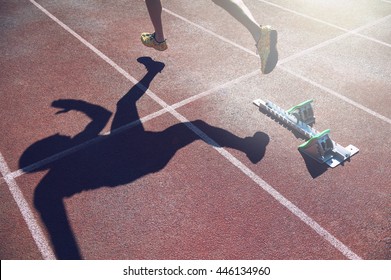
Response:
column 111, row 150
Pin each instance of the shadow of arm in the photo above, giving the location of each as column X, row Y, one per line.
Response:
column 99, row 116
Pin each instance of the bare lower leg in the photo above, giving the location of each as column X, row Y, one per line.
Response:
column 155, row 13
column 240, row 12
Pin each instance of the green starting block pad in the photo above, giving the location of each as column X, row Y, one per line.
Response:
column 319, row 145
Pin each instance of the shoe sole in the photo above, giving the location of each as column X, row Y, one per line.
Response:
column 153, row 46
column 272, row 58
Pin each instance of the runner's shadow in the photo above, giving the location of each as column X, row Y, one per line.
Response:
column 112, row 160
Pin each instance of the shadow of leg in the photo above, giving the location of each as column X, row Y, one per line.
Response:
column 53, row 214
column 126, row 107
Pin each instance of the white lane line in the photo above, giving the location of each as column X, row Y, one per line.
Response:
column 306, row 51
column 340, row 96
column 338, row 38
column 210, row 32
column 274, row 193
column 97, row 139
column 32, row 224
column 215, row 89
column 38, row 164
column 354, row 32
column 304, row 15
column 374, row 40
column 346, row 251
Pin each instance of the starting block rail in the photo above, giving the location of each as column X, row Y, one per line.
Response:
column 319, row 145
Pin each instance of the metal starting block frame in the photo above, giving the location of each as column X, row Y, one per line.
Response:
column 318, row 146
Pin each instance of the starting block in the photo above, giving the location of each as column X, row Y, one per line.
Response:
column 319, row 145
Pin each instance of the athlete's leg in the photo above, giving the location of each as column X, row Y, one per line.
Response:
column 155, row 13
column 240, row 12
column 265, row 37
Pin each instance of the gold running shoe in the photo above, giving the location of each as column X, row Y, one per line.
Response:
column 149, row 40
column 267, row 49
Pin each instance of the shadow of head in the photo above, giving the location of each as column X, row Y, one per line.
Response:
column 256, row 146
column 44, row 149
